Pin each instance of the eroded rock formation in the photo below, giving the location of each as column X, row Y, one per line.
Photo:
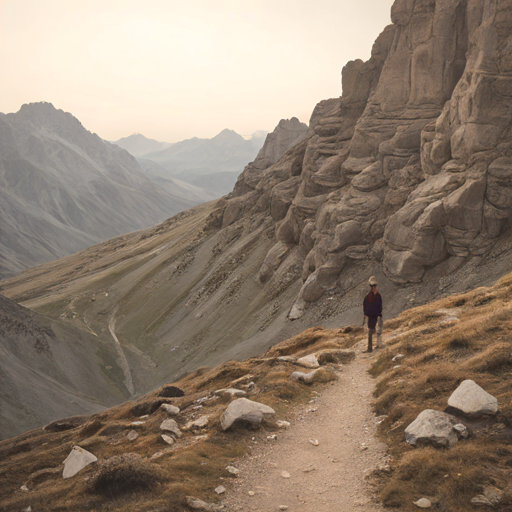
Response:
column 410, row 167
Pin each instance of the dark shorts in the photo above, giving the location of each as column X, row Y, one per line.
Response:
column 372, row 322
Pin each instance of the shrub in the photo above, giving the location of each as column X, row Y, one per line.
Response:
column 125, row 474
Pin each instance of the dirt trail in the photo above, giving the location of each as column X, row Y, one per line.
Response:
column 329, row 477
column 121, row 360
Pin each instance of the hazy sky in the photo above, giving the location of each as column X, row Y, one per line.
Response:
column 173, row 69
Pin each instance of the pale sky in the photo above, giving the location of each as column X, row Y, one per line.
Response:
column 174, row 69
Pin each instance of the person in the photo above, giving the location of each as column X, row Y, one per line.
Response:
column 372, row 308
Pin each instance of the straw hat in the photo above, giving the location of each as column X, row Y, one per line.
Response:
column 372, row 281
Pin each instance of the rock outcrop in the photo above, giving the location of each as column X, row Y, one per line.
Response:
column 412, row 165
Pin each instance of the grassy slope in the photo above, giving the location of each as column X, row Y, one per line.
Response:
column 466, row 336
column 193, row 466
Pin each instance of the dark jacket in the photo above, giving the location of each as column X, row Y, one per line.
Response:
column 372, row 304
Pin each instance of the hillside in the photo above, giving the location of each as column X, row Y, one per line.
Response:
column 428, row 352
column 138, row 145
column 62, row 189
column 49, row 369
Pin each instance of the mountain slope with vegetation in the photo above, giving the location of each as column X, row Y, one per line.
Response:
column 463, row 336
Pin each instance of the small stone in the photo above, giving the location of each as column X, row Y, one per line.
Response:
column 314, row 442
column 168, row 439
column 132, row 435
column 199, row 423
column 423, row 503
column 233, row 470
column 197, row 504
column 138, row 422
column 24, row 488
column 220, row 489
column 28, row 509
column 283, row 424
column 283, row 507
column 171, row 410
column 309, row 469
column 285, row 474
column 77, row 460
column 461, row 430
column 272, row 438
column 251, row 493
column 309, row 361
column 397, row 357
column 171, row 426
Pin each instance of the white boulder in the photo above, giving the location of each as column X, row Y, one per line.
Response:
column 171, row 410
column 472, row 400
column 309, row 361
column 435, row 428
column 77, row 460
column 245, row 410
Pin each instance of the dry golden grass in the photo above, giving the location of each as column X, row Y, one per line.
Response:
column 193, row 466
column 439, row 352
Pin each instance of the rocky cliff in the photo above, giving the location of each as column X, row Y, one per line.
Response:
column 410, row 169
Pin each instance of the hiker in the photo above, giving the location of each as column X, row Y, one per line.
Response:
column 372, row 307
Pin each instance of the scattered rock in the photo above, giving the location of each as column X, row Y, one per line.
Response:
column 171, row 426
column 472, row 400
column 272, row 438
column 397, row 357
column 287, row 359
column 283, row 507
column 232, row 392
column 220, row 489
column 77, row 460
column 171, row 392
column 283, row 424
column 461, row 430
column 24, row 488
column 285, row 474
column 168, row 439
column 314, row 442
column 432, row 427
column 251, row 493
column 138, row 422
column 309, row 361
column 199, row 423
column 197, row 504
column 490, row 497
column 246, row 411
column 132, row 435
column 171, row 410
column 423, row 503
column 233, row 470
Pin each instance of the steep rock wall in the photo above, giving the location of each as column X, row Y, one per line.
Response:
column 410, row 167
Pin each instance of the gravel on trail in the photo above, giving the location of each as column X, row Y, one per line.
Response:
column 324, row 476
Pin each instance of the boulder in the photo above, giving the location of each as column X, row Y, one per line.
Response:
column 171, row 426
column 168, row 439
column 435, row 428
column 245, row 411
column 490, row 497
column 470, row 399
column 77, row 460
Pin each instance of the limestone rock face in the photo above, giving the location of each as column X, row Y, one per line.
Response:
column 411, row 167
column 472, row 400
column 245, row 410
column 435, row 428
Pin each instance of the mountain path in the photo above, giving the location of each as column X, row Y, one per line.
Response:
column 122, row 361
column 329, row 477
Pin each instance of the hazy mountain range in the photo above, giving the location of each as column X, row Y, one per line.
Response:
column 212, row 164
